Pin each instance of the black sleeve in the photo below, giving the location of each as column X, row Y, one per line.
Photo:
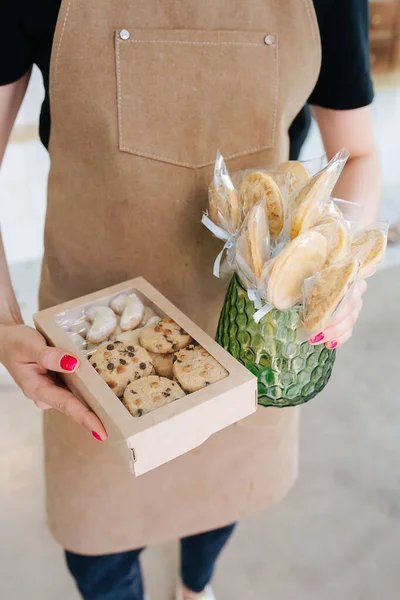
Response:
column 344, row 81
column 16, row 53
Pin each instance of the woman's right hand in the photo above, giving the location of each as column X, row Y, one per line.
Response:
column 31, row 362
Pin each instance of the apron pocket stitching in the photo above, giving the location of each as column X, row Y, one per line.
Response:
column 188, row 42
column 190, row 165
column 119, row 88
column 61, row 38
column 148, row 153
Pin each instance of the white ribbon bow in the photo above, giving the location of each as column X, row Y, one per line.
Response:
column 221, row 234
column 261, row 310
column 253, row 294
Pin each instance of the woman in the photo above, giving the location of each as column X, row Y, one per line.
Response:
column 142, row 94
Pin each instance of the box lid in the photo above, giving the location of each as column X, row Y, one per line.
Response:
column 173, row 429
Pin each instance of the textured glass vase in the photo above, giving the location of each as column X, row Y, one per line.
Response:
column 288, row 373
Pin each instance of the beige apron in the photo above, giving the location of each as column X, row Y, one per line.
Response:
column 136, row 119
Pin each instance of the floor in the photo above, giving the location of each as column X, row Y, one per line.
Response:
column 337, row 535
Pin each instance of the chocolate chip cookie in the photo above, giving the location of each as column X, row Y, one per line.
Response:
column 194, row 368
column 148, row 393
column 164, row 337
column 119, row 363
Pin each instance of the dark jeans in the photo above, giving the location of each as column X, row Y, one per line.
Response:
column 119, row 577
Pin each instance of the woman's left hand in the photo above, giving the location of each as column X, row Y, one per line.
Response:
column 340, row 329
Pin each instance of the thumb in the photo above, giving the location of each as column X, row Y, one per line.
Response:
column 55, row 359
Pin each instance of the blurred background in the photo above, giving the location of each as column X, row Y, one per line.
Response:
column 337, row 535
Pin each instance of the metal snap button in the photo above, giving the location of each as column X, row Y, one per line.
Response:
column 269, row 40
column 124, row 34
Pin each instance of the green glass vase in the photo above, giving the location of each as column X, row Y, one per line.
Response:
column 288, row 373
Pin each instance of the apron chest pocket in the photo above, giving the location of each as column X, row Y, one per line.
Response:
column 183, row 94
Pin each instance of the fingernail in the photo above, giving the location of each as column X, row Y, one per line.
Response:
column 68, row 362
column 333, row 345
column 97, row 436
column 317, row 338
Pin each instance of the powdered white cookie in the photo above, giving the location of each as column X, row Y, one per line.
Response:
column 130, row 336
column 78, row 340
column 118, row 303
column 153, row 319
column 149, row 314
column 82, row 327
column 103, row 321
column 132, row 313
column 117, row 332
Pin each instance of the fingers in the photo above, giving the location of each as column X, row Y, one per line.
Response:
column 30, row 347
column 42, row 405
column 47, row 394
column 351, row 306
column 64, row 401
column 336, row 343
column 341, row 326
column 338, row 328
column 361, row 287
column 55, row 359
column 31, row 363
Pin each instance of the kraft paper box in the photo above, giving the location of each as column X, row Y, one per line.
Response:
column 157, row 437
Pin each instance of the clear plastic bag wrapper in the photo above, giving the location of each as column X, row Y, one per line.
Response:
column 252, row 248
column 143, row 356
column 231, row 200
column 368, row 246
column 325, row 293
column 296, row 173
column 224, row 216
column 294, row 260
column 283, row 283
column 336, row 231
column 270, row 186
column 308, row 206
column 223, row 201
column 350, row 211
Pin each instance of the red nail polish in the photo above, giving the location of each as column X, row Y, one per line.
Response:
column 317, row 338
column 333, row 345
column 96, row 435
column 68, row 362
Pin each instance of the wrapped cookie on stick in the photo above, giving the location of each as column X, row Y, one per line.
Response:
column 368, row 246
column 294, row 263
column 261, row 186
column 223, row 217
column 297, row 173
column 252, row 248
column 230, row 205
column 311, row 202
column 324, row 292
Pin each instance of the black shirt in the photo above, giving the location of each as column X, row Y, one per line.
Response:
column 27, row 29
